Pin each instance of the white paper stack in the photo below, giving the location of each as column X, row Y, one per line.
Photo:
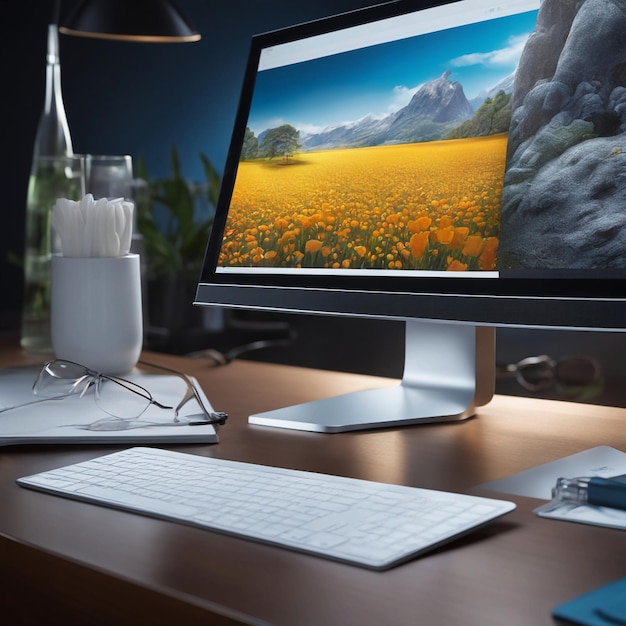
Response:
column 71, row 420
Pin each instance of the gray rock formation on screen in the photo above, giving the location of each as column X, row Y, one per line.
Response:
column 564, row 201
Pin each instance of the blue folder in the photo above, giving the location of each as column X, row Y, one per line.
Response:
column 605, row 606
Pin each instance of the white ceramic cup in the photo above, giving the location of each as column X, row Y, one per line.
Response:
column 96, row 316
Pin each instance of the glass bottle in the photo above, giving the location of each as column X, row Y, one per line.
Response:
column 55, row 173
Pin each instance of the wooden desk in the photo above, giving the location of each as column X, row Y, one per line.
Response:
column 65, row 562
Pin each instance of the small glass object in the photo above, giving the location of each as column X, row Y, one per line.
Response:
column 51, row 177
column 55, row 173
column 540, row 373
column 109, row 176
column 593, row 490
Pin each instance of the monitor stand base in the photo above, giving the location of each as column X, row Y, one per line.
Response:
column 449, row 370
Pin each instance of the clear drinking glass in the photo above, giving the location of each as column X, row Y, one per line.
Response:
column 109, row 176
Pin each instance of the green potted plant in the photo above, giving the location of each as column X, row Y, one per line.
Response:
column 175, row 217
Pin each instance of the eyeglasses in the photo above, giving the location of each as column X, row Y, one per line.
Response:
column 571, row 375
column 120, row 398
column 116, row 396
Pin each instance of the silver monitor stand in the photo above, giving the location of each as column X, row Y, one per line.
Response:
column 449, row 370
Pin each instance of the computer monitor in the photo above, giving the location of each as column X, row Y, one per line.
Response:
column 459, row 166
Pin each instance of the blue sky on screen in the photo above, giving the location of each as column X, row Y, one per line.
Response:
column 381, row 79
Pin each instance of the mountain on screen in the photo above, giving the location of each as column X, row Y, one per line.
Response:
column 436, row 108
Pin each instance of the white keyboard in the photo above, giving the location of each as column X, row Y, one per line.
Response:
column 370, row 524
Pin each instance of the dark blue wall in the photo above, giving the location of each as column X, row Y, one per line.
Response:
column 127, row 98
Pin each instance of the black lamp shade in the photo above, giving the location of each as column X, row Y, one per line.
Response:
column 129, row 20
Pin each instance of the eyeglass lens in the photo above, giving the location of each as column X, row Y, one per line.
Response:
column 59, row 378
column 117, row 397
column 121, row 398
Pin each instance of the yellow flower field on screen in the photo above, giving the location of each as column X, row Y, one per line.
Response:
column 393, row 207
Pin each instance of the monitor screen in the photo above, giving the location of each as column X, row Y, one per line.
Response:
column 455, row 165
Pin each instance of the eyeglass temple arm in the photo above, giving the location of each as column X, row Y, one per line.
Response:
column 213, row 417
column 144, row 393
column 39, row 400
column 192, row 393
column 161, row 406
